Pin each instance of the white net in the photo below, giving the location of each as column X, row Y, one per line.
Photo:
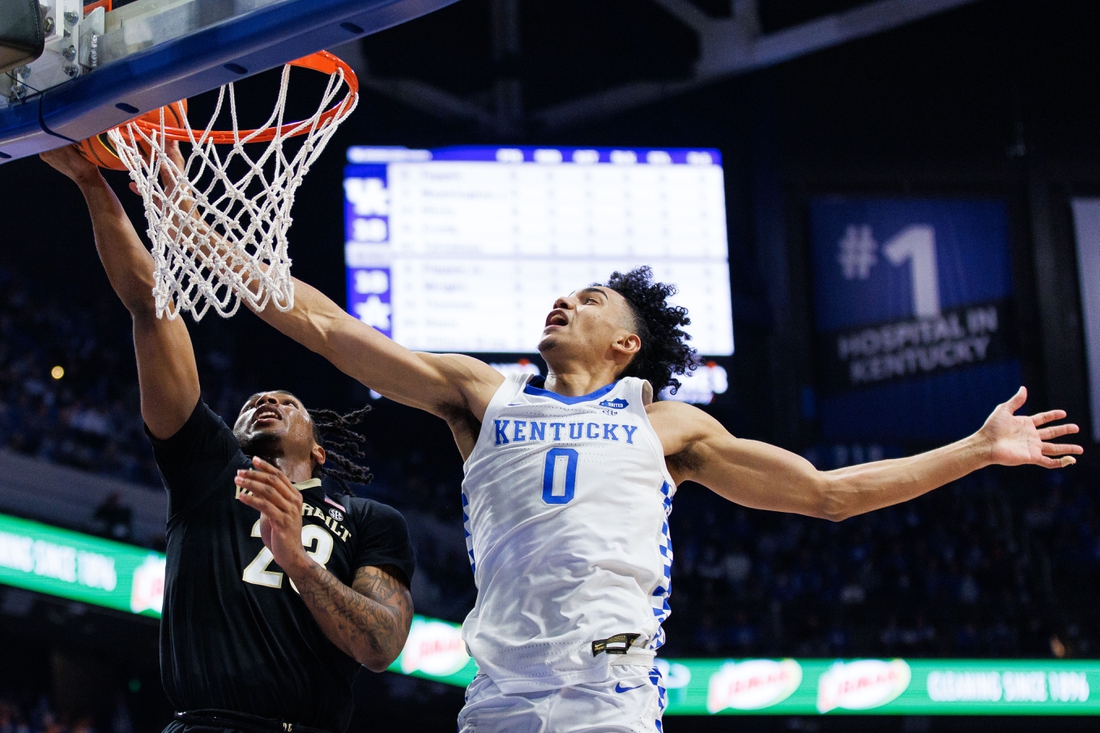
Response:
column 218, row 216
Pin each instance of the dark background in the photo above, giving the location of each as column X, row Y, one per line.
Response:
column 994, row 99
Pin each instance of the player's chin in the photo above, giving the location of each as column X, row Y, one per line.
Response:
column 548, row 341
column 257, row 436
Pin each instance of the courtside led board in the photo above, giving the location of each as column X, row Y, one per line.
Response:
column 72, row 565
column 465, row 249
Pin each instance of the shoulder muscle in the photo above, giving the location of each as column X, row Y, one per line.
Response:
column 681, row 428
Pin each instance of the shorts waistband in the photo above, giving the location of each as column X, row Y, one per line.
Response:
column 242, row 721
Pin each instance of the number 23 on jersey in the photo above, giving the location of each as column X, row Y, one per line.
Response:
column 317, row 542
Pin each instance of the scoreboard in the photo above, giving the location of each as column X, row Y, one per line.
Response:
column 465, row 249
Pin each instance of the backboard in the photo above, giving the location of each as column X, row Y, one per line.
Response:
column 103, row 68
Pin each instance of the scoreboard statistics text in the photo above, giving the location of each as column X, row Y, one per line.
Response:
column 465, row 249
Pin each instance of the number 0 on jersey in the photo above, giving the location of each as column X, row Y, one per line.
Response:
column 559, row 478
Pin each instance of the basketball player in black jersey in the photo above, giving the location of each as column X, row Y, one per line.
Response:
column 276, row 591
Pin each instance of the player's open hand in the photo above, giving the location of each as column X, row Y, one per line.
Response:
column 69, row 161
column 1016, row 440
column 271, row 493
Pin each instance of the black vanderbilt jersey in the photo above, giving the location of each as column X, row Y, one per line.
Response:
column 235, row 635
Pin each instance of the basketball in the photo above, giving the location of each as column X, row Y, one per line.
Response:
column 100, row 150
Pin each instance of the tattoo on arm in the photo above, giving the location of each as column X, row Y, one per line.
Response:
column 369, row 621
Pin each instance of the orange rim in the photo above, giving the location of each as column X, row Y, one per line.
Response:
column 321, row 61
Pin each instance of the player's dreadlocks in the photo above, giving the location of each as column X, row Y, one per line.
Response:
column 332, row 431
column 664, row 351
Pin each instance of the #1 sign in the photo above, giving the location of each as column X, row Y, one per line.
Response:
column 914, row 314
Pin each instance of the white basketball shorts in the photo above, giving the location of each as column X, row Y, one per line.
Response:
column 631, row 701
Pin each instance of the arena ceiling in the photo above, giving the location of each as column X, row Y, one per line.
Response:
column 513, row 67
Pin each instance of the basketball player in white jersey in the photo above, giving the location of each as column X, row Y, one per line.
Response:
column 569, row 481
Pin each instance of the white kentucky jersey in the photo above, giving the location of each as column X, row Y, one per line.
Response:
column 565, row 504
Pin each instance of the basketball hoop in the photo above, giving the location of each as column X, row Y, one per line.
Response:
column 220, row 238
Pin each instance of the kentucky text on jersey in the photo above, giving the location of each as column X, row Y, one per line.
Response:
column 519, row 431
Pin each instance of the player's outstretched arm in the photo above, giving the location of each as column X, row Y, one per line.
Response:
column 368, row 621
column 167, row 373
column 762, row 476
column 442, row 384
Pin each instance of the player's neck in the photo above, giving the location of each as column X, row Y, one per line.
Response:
column 574, row 383
column 295, row 469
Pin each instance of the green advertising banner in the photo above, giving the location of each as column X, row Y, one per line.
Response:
column 435, row 651
column 820, row 686
column 882, row 687
column 72, row 565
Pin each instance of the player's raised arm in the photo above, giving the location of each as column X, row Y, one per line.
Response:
column 167, row 373
column 762, row 476
column 442, row 384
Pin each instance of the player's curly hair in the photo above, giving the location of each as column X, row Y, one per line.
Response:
column 333, row 432
column 664, row 351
